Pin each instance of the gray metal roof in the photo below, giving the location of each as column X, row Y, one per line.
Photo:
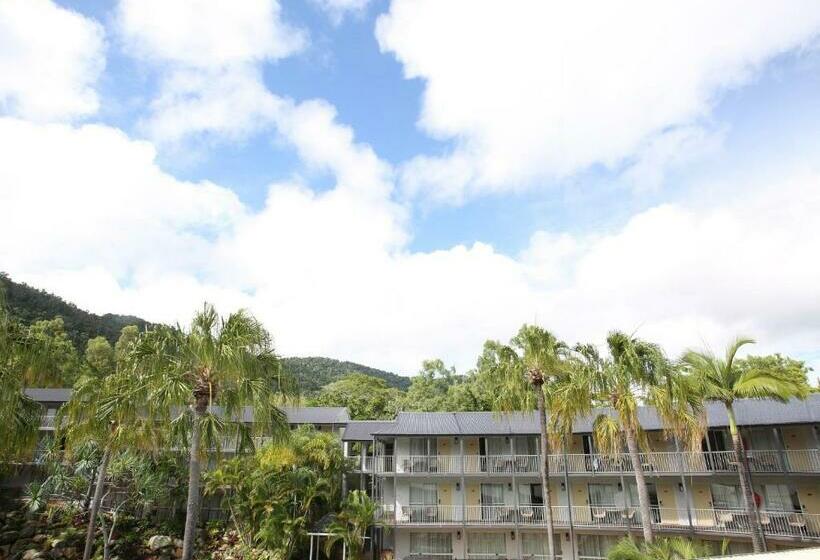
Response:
column 49, row 395
column 363, row 430
column 317, row 414
column 749, row 412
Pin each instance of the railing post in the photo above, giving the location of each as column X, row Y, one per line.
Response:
column 463, row 491
column 627, row 499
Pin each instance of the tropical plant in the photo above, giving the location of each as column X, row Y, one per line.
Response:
column 637, row 372
column 200, row 381
column 350, row 525
column 526, row 368
column 662, row 549
column 722, row 380
column 105, row 410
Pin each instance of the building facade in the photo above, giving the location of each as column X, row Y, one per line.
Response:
column 467, row 485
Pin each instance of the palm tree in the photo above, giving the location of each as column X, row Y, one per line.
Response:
column 663, row 549
column 20, row 355
column 203, row 380
column 534, row 358
column 350, row 525
column 634, row 369
column 720, row 379
column 106, row 411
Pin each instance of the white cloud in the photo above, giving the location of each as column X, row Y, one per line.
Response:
column 331, row 273
column 209, row 56
column 538, row 90
column 337, row 9
column 50, row 59
column 205, row 34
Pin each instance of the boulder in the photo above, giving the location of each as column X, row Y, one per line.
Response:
column 8, row 537
column 158, row 542
column 58, row 543
column 32, row 554
column 41, row 538
column 27, row 531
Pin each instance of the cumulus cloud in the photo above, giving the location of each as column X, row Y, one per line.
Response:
column 338, row 9
column 50, row 58
column 538, row 90
column 332, row 273
column 209, row 56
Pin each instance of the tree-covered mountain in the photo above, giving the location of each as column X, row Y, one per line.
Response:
column 314, row 373
column 30, row 304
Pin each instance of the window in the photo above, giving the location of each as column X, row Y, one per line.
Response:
column 423, row 495
column 530, row 495
column 492, row 494
column 777, row 497
column 533, row 544
column 602, row 495
column 496, row 446
column 431, row 543
column 423, row 446
column 487, row 544
column 526, row 445
column 595, row 546
column 725, row 496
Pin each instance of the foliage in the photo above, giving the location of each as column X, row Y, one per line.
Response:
column 366, row 397
column 275, row 494
column 350, row 525
column 313, row 373
column 662, row 549
column 30, row 305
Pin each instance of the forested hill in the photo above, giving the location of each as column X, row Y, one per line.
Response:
column 29, row 305
column 314, row 373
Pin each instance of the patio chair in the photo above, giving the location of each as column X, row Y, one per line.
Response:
column 599, row 514
column 797, row 521
column 724, row 518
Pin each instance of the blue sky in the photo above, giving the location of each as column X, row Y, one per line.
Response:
column 390, row 181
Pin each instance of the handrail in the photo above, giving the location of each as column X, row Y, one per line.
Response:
column 654, row 462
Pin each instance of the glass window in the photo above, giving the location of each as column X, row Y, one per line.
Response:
column 498, row 446
column 423, row 495
column 431, row 543
column 602, row 495
column 418, row 446
column 533, row 544
column 526, row 445
column 777, row 497
column 595, row 546
column 492, row 494
column 725, row 496
column 530, row 495
column 487, row 543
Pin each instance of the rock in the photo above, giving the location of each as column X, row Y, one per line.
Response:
column 178, row 543
column 70, row 552
column 27, row 531
column 32, row 554
column 58, row 543
column 39, row 538
column 8, row 537
column 158, row 542
column 20, row 546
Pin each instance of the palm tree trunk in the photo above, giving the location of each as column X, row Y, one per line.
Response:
column 545, row 470
column 640, row 481
column 194, row 468
column 745, row 487
column 95, row 503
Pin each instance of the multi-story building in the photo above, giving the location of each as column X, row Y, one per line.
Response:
column 466, row 485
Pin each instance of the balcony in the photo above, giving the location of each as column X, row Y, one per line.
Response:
column 781, row 524
column 799, row 461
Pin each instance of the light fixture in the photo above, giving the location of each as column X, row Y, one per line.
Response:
column 512, row 535
column 458, row 486
column 620, row 487
column 458, row 535
column 680, row 486
column 563, row 487
column 509, row 486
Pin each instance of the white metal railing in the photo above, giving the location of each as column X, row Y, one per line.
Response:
column 47, row 422
column 805, row 526
column 657, row 462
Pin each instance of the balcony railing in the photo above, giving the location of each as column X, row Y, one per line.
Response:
column 722, row 521
column 658, row 462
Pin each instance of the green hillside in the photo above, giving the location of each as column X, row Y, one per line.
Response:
column 314, row 373
column 30, row 304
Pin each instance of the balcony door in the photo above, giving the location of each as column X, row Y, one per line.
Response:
column 492, row 501
column 422, row 455
column 725, row 496
column 654, row 503
column 602, row 495
column 423, row 502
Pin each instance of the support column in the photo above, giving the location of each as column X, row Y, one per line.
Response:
column 463, row 489
column 515, row 498
column 569, row 501
column 685, row 488
column 345, row 451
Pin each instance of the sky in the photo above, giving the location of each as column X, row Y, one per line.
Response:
column 387, row 181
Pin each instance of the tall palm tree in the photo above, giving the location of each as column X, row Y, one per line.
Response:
column 107, row 411
column 527, row 366
column 203, row 380
column 721, row 380
column 621, row 382
column 21, row 356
